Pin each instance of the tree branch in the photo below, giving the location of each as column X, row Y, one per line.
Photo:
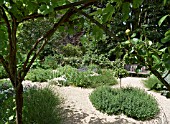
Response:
column 36, row 15
column 6, row 67
column 67, row 15
column 97, row 23
column 44, row 37
column 167, row 74
column 4, row 16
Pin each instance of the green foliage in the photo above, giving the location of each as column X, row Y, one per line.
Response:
column 126, row 10
column 85, row 77
column 162, row 20
column 71, row 51
column 132, row 102
column 50, row 62
column 3, row 73
column 153, row 83
column 100, row 60
column 7, row 102
column 39, row 75
column 72, row 61
column 41, row 106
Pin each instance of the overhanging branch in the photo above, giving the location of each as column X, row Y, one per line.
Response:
column 44, row 37
column 36, row 15
column 96, row 22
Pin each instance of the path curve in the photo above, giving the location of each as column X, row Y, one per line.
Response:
column 79, row 110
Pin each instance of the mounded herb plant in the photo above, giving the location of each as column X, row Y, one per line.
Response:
column 132, row 102
column 41, row 106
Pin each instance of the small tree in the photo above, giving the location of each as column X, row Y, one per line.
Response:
column 12, row 14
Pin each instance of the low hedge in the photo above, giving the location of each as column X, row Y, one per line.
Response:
column 132, row 102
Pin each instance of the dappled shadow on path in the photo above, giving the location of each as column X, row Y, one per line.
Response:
column 78, row 117
column 71, row 116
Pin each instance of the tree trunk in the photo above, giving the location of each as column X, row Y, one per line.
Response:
column 19, row 104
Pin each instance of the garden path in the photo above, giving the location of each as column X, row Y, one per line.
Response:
column 79, row 110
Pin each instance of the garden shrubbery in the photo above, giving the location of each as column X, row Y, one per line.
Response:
column 41, row 106
column 7, row 103
column 85, row 77
column 133, row 102
column 39, row 75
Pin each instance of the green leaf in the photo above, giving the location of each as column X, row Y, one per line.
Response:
column 156, row 59
column 134, row 40
column 166, row 39
column 137, row 3
column 133, row 35
column 108, row 12
column 106, row 18
column 108, row 8
column 165, row 2
column 97, row 32
column 162, row 20
column 167, row 33
column 126, row 10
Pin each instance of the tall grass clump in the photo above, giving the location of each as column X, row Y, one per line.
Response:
column 132, row 102
column 41, row 106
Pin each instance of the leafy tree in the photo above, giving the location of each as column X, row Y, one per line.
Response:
column 12, row 15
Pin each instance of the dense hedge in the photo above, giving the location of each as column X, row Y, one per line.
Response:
column 133, row 102
column 88, row 77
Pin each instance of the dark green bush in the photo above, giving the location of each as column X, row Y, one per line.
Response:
column 132, row 102
column 39, row 75
column 50, row 62
column 41, row 106
column 153, row 83
column 70, row 50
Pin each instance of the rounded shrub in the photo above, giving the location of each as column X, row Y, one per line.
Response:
column 41, row 106
column 132, row 102
column 39, row 75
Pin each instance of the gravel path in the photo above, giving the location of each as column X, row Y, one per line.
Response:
column 79, row 110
